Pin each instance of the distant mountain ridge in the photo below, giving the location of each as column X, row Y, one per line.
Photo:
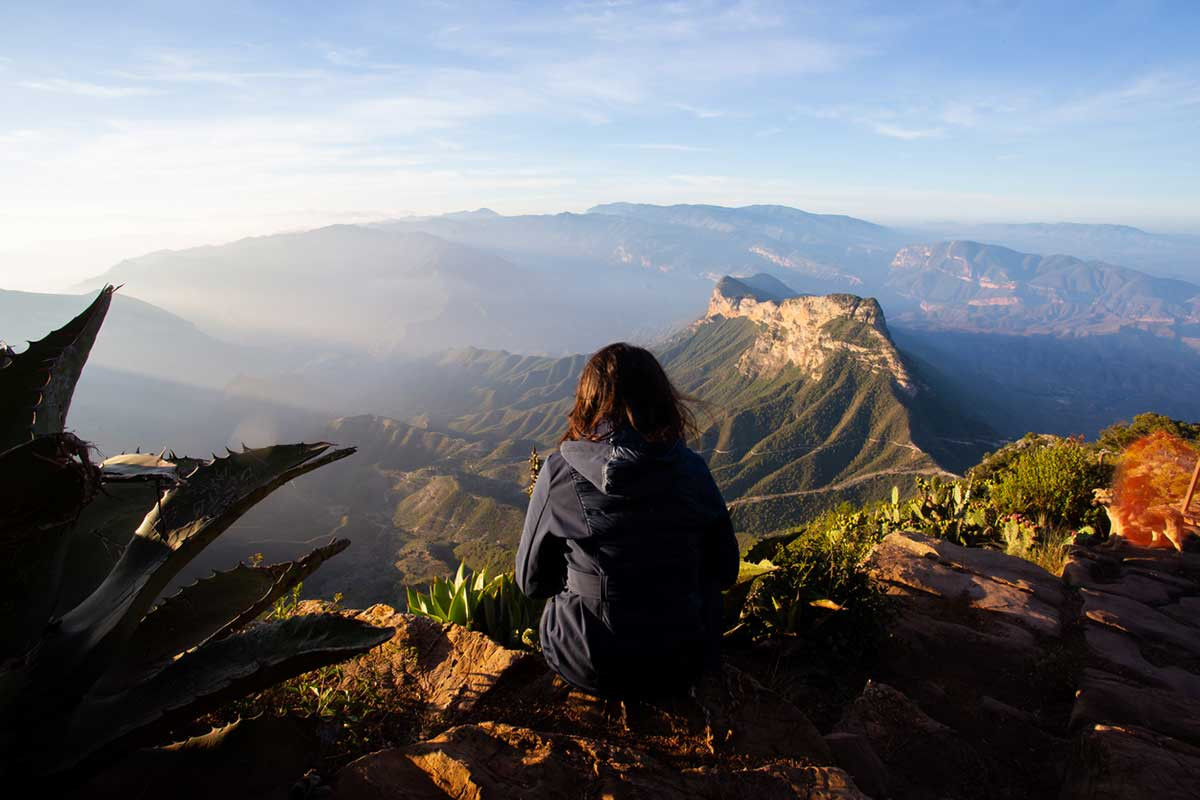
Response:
column 423, row 284
column 978, row 287
column 370, row 307
column 1164, row 255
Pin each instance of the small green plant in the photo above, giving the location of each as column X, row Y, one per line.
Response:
column 948, row 510
column 493, row 606
column 287, row 605
column 357, row 706
column 1115, row 438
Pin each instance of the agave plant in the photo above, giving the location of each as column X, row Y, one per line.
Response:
column 99, row 664
column 496, row 607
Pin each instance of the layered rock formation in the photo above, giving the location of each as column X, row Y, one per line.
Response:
column 1137, row 713
column 1088, row 687
column 807, row 331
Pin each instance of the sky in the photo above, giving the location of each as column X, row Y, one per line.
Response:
column 130, row 127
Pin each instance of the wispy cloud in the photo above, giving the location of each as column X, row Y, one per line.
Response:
column 538, row 106
column 346, row 56
column 907, row 134
column 700, row 113
column 883, row 121
column 85, row 89
column 677, row 148
column 1161, row 90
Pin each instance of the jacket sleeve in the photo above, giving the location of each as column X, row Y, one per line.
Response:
column 721, row 554
column 541, row 555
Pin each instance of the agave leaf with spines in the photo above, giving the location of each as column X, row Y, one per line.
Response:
column 187, row 520
column 101, row 534
column 212, row 608
column 185, row 620
column 290, row 574
column 53, row 711
column 213, row 674
column 43, row 484
column 208, row 609
column 37, row 385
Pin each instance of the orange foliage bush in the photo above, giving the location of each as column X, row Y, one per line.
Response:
column 1150, row 483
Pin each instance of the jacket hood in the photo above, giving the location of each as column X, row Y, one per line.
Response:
column 623, row 463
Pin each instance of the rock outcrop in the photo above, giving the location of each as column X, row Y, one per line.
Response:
column 807, row 331
column 496, row 723
column 1137, row 714
column 996, row 680
column 496, row 760
column 1085, row 687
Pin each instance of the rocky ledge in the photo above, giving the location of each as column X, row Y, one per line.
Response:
column 996, row 680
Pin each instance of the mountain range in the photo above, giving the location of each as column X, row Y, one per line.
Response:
column 406, row 334
column 1164, row 255
column 974, row 287
column 807, row 403
column 569, row 282
column 356, row 317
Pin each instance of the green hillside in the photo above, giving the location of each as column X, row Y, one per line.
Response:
column 803, row 403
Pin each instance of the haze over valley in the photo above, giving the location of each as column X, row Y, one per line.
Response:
column 833, row 358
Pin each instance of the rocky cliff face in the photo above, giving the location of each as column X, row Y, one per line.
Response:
column 808, row 331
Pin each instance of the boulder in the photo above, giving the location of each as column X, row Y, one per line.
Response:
column 1185, row 610
column 1140, row 620
column 923, row 757
column 1017, row 591
column 1119, row 763
column 447, row 669
column 1114, row 651
column 727, row 714
column 1142, row 588
column 854, row 754
column 1107, row 698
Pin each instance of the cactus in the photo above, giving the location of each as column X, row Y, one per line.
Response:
column 114, row 670
column 535, row 469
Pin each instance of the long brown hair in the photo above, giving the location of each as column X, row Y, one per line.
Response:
column 625, row 385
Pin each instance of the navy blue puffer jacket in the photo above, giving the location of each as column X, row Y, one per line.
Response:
column 631, row 542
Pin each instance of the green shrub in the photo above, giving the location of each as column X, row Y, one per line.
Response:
column 1052, row 483
column 1115, row 438
column 817, row 587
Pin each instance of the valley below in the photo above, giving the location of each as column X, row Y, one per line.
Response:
column 834, row 360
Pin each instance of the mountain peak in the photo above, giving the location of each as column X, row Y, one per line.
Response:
column 807, row 331
column 760, row 287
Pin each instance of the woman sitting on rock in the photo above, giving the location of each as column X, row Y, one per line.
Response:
column 628, row 536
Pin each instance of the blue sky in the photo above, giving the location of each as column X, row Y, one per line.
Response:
column 149, row 125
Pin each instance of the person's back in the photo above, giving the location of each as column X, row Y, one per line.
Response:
column 628, row 536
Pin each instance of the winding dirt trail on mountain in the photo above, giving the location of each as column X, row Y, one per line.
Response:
column 846, row 484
